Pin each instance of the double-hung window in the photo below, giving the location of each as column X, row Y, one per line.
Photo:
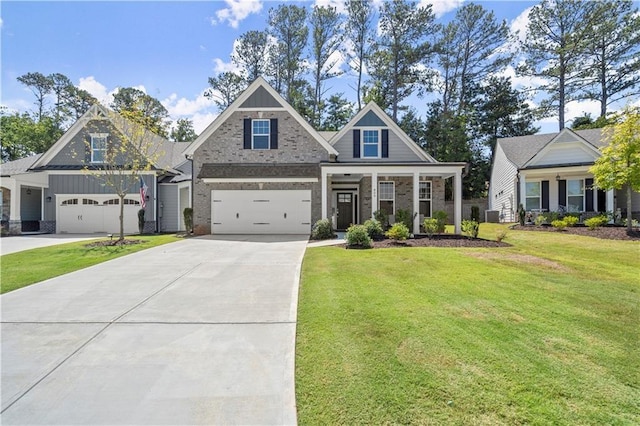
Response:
column 575, row 195
column 98, row 147
column 370, row 144
column 260, row 131
column 532, row 196
column 424, row 196
column 386, row 199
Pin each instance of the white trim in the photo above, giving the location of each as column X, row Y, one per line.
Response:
column 555, row 139
column 268, row 135
column 236, row 106
column 95, row 136
column 444, row 170
column 378, row 144
column 261, row 180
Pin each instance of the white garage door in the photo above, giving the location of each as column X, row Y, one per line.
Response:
column 89, row 214
column 261, row 212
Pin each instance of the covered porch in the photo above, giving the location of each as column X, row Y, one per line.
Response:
column 352, row 193
column 23, row 202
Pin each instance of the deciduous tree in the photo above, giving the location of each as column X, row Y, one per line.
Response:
column 137, row 106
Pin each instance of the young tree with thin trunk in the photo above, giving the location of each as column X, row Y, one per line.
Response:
column 361, row 36
column 327, row 35
column 619, row 165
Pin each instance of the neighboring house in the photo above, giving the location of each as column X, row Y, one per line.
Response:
column 260, row 168
column 51, row 192
column 550, row 172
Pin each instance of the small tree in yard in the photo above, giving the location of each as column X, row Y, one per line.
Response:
column 619, row 164
column 122, row 157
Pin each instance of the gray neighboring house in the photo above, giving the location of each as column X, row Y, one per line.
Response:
column 550, row 172
column 51, row 192
column 260, row 168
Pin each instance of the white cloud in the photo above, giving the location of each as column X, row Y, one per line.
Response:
column 520, row 82
column 440, row 7
column 97, row 89
column 181, row 107
column 519, row 25
column 339, row 5
column 220, row 66
column 579, row 108
column 1, row 22
column 202, row 120
column 236, row 11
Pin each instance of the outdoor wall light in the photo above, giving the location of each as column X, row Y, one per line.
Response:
column 48, row 199
column 146, row 197
column 28, row 191
column 558, row 177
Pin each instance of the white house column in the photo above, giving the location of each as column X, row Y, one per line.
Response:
column 523, row 192
column 323, row 193
column 374, row 192
column 416, row 202
column 610, row 201
column 457, row 201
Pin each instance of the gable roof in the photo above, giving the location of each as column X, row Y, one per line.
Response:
column 372, row 114
column 17, row 167
column 166, row 149
column 520, row 150
column 260, row 86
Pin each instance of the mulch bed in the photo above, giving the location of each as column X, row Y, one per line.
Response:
column 604, row 232
column 109, row 243
column 442, row 240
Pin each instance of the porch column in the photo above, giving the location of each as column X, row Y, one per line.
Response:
column 457, row 201
column 416, row 203
column 14, row 213
column 323, row 193
column 523, row 192
column 610, row 204
column 374, row 193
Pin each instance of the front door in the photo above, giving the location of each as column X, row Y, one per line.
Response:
column 345, row 210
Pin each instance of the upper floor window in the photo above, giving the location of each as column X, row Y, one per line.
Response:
column 99, row 147
column 370, row 144
column 260, row 131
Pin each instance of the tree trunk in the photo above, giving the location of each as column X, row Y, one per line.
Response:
column 121, row 217
column 629, row 215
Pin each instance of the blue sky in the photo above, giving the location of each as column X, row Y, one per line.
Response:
column 166, row 48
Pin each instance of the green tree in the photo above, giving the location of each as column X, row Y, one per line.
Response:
column 251, row 54
column 225, row 88
column 21, row 135
column 137, row 106
column 287, row 24
column 587, row 122
column 554, row 46
column 404, row 28
column 619, row 164
column 183, row 131
column 338, row 113
column 78, row 102
column 360, row 34
column 612, row 53
column 41, row 86
column 61, row 87
column 327, row 35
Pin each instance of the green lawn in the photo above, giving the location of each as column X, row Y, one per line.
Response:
column 544, row 332
column 31, row 266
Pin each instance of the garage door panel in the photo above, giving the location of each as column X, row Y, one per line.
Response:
column 261, row 212
column 86, row 214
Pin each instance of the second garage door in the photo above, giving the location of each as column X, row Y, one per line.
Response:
column 261, row 212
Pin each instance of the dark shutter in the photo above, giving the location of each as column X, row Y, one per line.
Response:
column 545, row 195
column 356, row 143
column 87, row 150
column 588, row 193
column 562, row 193
column 385, row 143
column 247, row 133
column 273, row 130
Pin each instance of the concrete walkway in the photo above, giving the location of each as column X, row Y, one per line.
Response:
column 18, row 243
column 201, row 331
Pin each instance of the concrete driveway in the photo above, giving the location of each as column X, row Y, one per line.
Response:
column 27, row 242
column 201, row 331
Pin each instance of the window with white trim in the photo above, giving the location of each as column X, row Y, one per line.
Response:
column 371, row 144
column 532, row 196
column 98, row 147
column 424, row 198
column 260, row 131
column 386, row 197
column 575, row 195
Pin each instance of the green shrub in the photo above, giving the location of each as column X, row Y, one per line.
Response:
column 381, row 217
column 559, row 224
column 571, row 220
column 470, row 228
column 357, row 236
column 522, row 213
column 404, row 216
column 540, row 220
column 398, row 232
column 441, row 217
column 322, row 230
column 188, row 219
column 141, row 221
column 374, row 229
column 596, row 222
column 551, row 216
column 430, row 226
column 475, row 213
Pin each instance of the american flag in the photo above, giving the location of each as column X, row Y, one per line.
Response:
column 143, row 193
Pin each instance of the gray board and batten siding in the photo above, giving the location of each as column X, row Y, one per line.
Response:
column 261, row 99
column 168, row 210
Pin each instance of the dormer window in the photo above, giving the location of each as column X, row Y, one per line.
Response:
column 370, row 144
column 99, row 147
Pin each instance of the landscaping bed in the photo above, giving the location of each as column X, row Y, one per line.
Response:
column 604, row 232
column 441, row 240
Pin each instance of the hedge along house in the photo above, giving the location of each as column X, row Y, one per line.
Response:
column 54, row 193
column 550, row 173
column 260, row 168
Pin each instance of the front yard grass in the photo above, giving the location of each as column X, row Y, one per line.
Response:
column 544, row 332
column 23, row 268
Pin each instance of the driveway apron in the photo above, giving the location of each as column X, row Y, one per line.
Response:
column 201, row 331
